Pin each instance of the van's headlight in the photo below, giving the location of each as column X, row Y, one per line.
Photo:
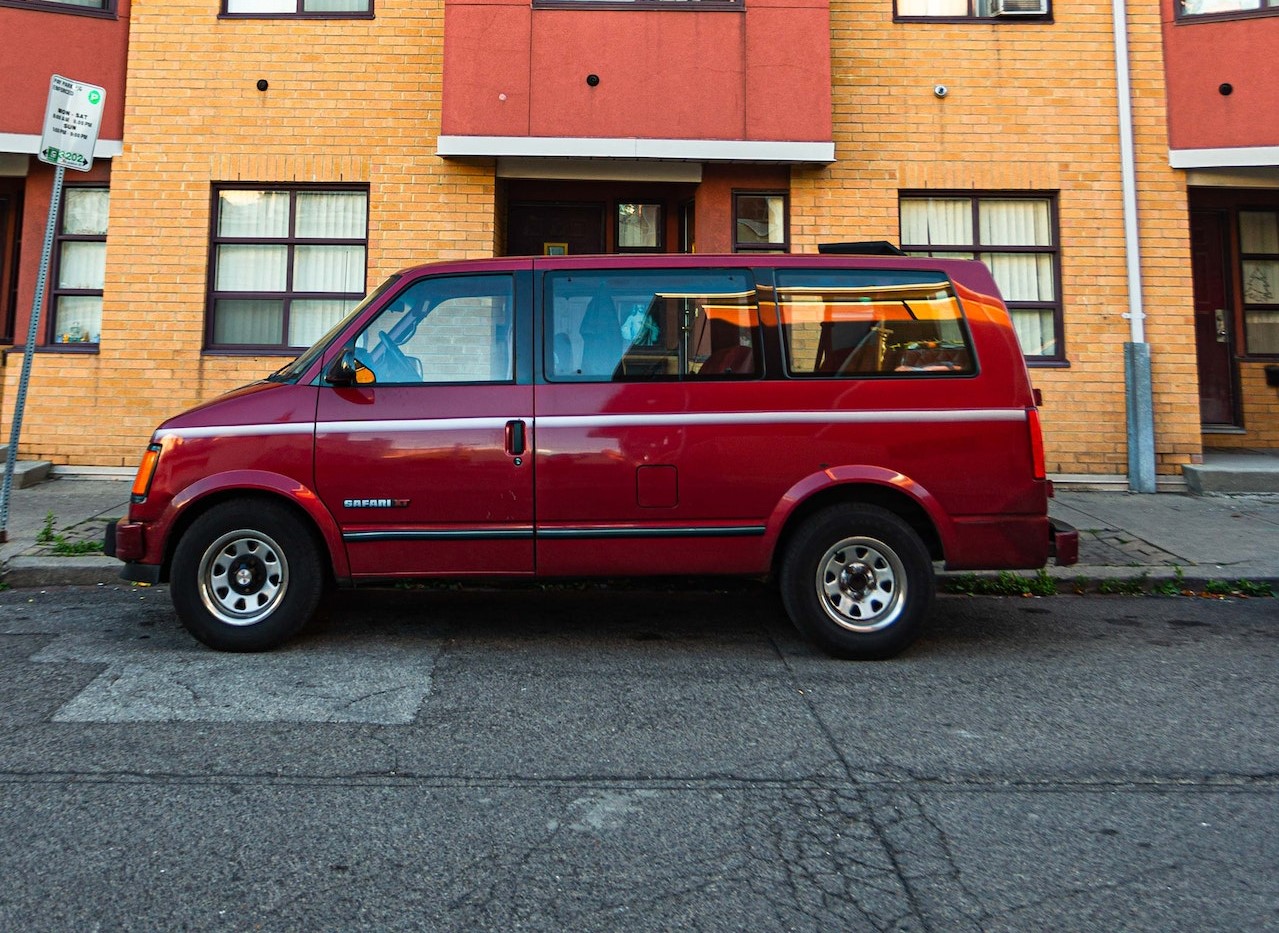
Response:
column 146, row 472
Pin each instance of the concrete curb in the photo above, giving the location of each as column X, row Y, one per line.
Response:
column 28, row 572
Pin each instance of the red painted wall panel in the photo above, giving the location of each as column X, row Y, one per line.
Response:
column 39, row 44
column 762, row 74
column 1201, row 56
column 486, row 68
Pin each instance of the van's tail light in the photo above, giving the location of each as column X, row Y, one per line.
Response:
column 146, row 472
column 1036, row 443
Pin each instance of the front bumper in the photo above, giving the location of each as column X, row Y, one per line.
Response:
column 126, row 541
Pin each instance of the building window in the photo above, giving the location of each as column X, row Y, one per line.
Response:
column 973, row 9
column 286, row 264
column 1016, row 237
column 1225, row 7
column 318, row 8
column 651, row 325
column 760, row 222
column 1259, row 256
column 639, row 227
column 65, row 6
column 80, row 249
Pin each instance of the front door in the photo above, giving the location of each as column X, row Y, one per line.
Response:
column 1214, row 320
column 553, row 228
column 427, row 463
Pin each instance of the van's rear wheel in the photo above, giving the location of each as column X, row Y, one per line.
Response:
column 246, row 576
column 858, row 581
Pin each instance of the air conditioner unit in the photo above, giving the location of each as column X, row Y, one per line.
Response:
column 1018, row 7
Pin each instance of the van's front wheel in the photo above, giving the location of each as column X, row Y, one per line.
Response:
column 246, row 576
column 858, row 581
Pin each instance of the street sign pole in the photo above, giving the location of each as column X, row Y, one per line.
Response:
column 72, row 116
column 28, row 352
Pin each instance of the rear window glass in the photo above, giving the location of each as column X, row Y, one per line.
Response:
column 656, row 325
column 859, row 322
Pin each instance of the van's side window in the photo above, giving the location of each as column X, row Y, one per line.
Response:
column 651, row 324
column 443, row 329
column 860, row 322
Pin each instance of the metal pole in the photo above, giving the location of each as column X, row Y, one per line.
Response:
column 1137, row 371
column 28, row 352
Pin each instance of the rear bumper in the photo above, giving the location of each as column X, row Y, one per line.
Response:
column 1063, row 543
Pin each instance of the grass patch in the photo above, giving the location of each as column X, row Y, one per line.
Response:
column 1006, row 583
column 1135, row 586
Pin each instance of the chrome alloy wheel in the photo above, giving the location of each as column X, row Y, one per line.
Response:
column 243, row 577
column 861, row 584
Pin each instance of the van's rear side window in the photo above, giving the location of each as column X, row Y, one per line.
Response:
column 863, row 322
column 651, row 325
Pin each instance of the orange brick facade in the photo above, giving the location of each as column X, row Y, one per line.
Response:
column 1031, row 107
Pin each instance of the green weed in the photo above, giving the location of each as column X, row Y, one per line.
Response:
column 46, row 533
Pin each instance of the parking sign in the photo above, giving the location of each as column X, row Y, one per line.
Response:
column 71, row 120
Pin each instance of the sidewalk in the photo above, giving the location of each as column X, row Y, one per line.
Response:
column 1142, row 539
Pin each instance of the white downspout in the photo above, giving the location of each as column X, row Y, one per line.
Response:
column 1137, row 379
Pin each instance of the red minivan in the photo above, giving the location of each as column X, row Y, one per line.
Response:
column 837, row 423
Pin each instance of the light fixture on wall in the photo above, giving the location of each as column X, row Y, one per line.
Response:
column 593, row 80
column 262, row 85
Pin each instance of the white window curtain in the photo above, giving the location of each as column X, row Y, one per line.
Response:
column 84, row 211
column 336, row 215
column 249, row 268
column 335, row 6
column 261, row 6
column 311, row 318
column 82, row 265
column 248, row 322
column 932, row 7
column 1015, row 223
column 939, row 221
column 253, row 214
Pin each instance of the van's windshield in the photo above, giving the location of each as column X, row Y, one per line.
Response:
column 293, row 371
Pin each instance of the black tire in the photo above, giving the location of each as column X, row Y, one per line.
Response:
column 246, row 576
column 858, row 581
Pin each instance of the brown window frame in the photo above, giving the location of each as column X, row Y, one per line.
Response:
column 1183, row 18
column 766, row 248
column 1057, row 305
column 290, row 240
column 299, row 13
column 106, row 11
column 974, row 16
column 1246, row 306
column 60, row 239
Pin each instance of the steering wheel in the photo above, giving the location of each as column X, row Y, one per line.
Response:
column 402, row 368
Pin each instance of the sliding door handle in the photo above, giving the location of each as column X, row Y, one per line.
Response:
column 515, row 438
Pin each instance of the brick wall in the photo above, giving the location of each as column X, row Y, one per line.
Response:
column 348, row 101
column 1030, row 106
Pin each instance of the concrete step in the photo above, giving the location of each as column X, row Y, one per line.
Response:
column 1234, row 472
column 25, row 472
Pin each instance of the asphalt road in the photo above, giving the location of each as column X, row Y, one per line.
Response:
column 639, row 760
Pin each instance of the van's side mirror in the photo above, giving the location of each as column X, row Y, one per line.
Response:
column 348, row 371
